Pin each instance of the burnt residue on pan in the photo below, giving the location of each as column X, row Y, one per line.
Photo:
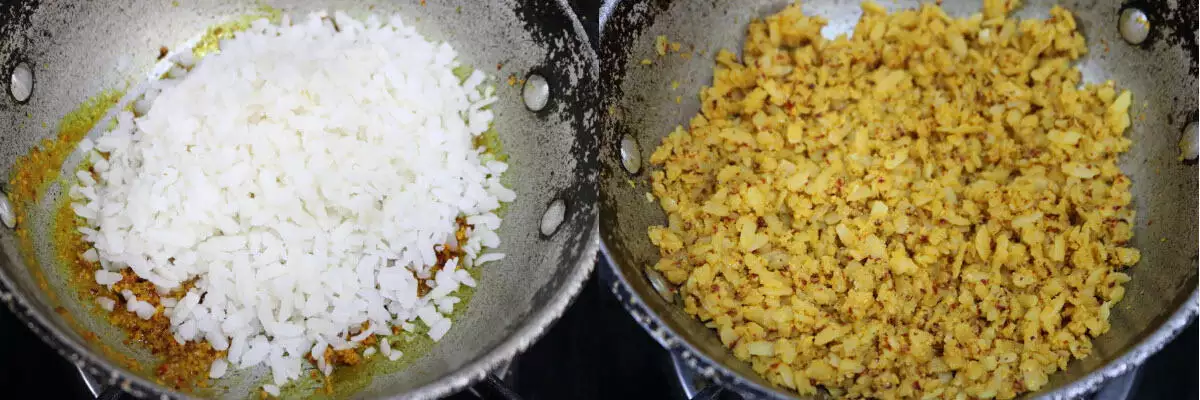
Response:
column 1174, row 22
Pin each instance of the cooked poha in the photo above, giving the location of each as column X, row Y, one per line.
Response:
column 929, row 208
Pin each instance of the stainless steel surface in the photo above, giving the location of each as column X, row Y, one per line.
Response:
column 78, row 49
column 1119, row 388
column 1161, row 72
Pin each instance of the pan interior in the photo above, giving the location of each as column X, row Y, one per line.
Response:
column 1161, row 73
column 80, row 49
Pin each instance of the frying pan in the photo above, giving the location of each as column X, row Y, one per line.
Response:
column 74, row 50
column 640, row 110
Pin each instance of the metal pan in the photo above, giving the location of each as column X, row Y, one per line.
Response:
column 78, row 49
column 1161, row 71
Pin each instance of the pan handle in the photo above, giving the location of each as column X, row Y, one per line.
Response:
column 716, row 392
column 490, row 388
column 113, row 392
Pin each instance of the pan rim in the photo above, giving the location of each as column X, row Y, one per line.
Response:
column 473, row 371
column 669, row 339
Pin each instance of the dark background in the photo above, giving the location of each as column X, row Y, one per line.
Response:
column 595, row 351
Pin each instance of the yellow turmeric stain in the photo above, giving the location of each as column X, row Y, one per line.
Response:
column 211, row 41
column 34, row 172
column 32, row 175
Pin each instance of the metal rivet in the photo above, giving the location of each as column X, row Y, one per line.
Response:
column 1189, row 144
column 8, row 215
column 631, row 154
column 536, row 92
column 659, row 284
column 20, row 85
column 553, row 217
column 1134, row 26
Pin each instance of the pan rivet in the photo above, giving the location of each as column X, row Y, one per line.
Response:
column 1134, row 26
column 20, row 85
column 1189, row 144
column 536, row 92
column 660, row 284
column 631, row 154
column 7, row 214
column 553, row 217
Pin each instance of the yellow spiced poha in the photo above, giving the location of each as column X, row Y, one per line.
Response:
column 930, row 208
